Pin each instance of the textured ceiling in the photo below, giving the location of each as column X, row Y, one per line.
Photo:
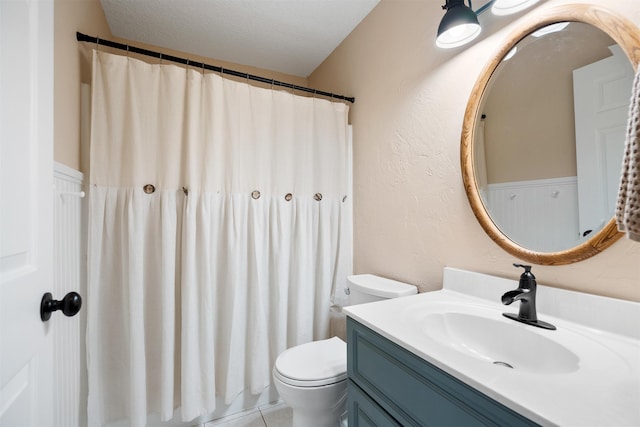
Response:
column 290, row 36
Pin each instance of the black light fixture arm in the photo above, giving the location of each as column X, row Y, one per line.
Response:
column 201, row 65
column 477, row 12
column 483, row 7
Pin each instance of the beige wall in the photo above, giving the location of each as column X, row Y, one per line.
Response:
column 70, row 16
column 72, row 66
column 412, row 217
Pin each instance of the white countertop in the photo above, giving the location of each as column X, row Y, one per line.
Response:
column 602, row 389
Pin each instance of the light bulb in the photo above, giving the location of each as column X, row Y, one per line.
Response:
column 458, row 35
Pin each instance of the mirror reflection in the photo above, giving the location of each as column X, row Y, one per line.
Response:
column 550, row 135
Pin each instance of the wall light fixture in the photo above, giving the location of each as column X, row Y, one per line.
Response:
column 460, row 25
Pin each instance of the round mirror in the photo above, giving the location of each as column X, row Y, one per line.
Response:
column 544, row 131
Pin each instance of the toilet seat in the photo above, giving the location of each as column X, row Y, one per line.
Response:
column 313, row 364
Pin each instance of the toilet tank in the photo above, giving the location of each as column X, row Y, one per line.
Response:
column 365, row 288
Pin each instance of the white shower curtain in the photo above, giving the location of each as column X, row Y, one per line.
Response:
column 217, row 235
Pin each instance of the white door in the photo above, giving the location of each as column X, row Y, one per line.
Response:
column 26, row 180
column 601, row 102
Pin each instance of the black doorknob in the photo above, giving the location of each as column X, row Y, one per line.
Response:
column 70, row 305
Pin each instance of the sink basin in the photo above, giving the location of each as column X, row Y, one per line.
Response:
column 502, row 342
column 584, row 373
column 481, row 335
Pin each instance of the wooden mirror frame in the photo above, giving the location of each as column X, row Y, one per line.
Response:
column 623, row 32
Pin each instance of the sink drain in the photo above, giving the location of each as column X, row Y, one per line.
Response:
column 505, row 364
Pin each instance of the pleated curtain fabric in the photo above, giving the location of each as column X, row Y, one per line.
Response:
column 217, row 234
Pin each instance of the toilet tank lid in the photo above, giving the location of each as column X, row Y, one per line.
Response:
column 380, row 286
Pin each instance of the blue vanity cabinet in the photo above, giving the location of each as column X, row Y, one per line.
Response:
column 390, row 386
column 364, row 411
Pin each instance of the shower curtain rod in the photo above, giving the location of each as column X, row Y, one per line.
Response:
column 164, row 57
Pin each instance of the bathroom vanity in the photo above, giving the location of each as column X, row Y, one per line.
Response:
column 450, row 358
column 390, row 386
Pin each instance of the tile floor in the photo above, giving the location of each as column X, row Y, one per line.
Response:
column 278, row 415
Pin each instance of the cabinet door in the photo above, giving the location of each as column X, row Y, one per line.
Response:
column 364, row 412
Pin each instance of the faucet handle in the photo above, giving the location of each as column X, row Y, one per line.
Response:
column 527, row 268
column 527, row 279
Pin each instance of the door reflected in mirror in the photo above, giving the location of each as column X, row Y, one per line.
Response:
column 549, row 136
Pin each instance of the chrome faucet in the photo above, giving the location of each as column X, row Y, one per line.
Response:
column 526, row 294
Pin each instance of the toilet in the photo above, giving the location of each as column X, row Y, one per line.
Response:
column 312, row 378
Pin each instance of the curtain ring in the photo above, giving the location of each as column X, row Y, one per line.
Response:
column 203, row 68
column 187, row 66
column 318, row 196
column 127, row 51
column 221, row 71
column 255, row 194
column 160, row 58
column 246, row 76
column 272, row 81
column 97, row 43
column 288, row 197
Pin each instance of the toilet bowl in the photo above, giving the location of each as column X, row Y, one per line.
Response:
column 312, row 378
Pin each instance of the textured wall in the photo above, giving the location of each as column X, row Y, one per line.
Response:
column 412, row 217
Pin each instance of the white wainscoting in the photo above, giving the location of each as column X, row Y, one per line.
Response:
column 523, row 211
column 69, row 361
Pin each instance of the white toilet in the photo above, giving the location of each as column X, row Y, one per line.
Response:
column 312, row 378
